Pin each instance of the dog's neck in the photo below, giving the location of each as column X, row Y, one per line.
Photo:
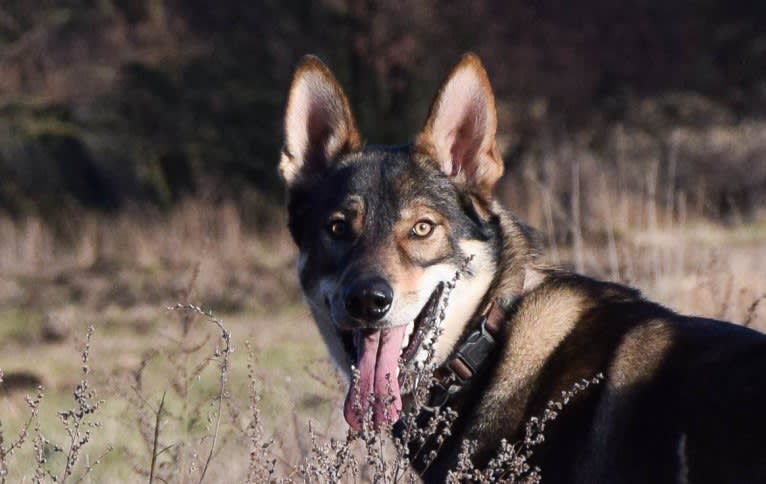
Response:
column 501, row 277
column 517, row 273
column 518, row 269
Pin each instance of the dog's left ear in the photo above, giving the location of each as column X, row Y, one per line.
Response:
column 460, row 130
column 319, row 125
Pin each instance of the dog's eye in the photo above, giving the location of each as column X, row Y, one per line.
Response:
column 337, row 229
column 422, row 229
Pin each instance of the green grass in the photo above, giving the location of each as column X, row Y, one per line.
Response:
column 285, row 346
column 20, row 325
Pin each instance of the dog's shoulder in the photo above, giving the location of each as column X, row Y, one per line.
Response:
column 631, row 332
column 560, row 331
column 562, row 301
column 672, row 385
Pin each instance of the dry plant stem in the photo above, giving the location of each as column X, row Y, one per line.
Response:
column 21, row 438
column 40, row 443
column 158, row 418
column 576, row 223
column 186, row 318
column 224, row 371
column 90, row 467
column 262, row 465
column 511, row 462
column 750, row 315
column 77, row 418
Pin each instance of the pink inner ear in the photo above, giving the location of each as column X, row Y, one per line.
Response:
column 319, row 129
column 461, row 125
column 466, row 142
column 467, row 137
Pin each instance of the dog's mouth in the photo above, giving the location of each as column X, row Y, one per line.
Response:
column 381, row 356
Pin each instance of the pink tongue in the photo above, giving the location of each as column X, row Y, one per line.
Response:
column 377, row 360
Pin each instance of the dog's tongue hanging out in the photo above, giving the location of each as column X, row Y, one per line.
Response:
column 377, row 359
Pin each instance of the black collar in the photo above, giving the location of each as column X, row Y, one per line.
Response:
column 470, row 357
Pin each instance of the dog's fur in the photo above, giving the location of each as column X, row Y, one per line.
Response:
column 682, row 399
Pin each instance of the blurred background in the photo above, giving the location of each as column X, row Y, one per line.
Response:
column 139, row 142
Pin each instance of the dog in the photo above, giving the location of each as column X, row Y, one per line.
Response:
column 381, row 228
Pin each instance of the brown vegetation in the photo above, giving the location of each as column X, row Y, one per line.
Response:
column 138, row 151
column 160, row 373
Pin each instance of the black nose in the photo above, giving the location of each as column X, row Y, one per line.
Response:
column 369, row 300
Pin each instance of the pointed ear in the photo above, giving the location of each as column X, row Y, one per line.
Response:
column 459, row 134
column 319, row 125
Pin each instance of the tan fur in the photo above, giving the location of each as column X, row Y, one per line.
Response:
column 637, row 360
column 352, row 213
column 430, row 248
column 415, row 285
column 519, row 255
column 542, row 320
column 465, row 299
column 640, row 354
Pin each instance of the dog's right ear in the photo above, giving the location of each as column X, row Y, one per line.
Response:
column 319, row 125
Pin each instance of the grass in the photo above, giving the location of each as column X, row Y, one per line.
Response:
column 298, row 383
column 20, row 325
column 120, row 275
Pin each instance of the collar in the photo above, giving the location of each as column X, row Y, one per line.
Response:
column 471, row 355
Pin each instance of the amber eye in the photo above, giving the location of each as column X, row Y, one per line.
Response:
column 422, row 229
column 337, row 229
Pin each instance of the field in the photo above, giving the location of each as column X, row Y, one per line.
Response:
column 139, row 197
column 159, row 368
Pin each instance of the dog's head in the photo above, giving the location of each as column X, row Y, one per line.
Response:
column 381, row 228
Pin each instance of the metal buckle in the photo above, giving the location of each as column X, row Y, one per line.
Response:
column 476, row 348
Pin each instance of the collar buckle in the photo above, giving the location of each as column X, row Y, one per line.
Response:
column 473, row 353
